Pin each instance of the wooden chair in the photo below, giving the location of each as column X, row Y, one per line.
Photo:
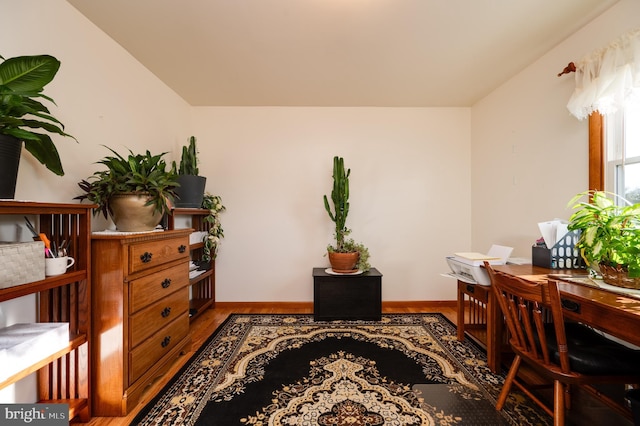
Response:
column 567, row 353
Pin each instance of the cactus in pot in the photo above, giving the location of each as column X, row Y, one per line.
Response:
column 346, row 256
column 190, row 193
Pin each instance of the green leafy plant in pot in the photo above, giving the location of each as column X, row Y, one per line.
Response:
column 24, row 118
column 211, row 241
column 610, row 236
column 135, row 190
column 346, row 256
column 190, row 193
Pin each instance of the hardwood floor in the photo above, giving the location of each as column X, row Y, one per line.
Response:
column 209, row 320
column 585, row 409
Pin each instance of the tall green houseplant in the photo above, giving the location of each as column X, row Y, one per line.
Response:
column 338, row 215
column 340, row 199
column 24, row 118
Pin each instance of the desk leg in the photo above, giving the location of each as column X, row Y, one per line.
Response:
column 494, row 333
column 460, row 310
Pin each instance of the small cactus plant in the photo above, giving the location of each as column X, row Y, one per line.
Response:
column 189, row 161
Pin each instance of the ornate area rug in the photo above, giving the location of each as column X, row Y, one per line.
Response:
column 407, row 369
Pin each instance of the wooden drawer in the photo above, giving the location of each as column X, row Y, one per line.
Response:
column 156, row 286
column 155, row 317
column 149, row 254
column 155, row 347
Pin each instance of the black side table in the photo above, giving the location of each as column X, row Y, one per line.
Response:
column 347, row 296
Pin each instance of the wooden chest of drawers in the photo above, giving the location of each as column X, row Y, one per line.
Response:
column 141, row 318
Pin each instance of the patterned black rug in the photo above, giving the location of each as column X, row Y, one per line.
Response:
column 407, row 369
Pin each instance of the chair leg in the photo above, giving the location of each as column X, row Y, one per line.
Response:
column 515, row 365
column 558, row 403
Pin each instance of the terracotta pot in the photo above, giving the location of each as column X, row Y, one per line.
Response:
column 344, row 263
column 130, row 214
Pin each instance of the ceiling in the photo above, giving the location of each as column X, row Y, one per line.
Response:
column 338, row 52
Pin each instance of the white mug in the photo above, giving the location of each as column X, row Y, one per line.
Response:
column 57, row 265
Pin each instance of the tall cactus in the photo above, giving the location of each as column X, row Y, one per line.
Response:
column 340, row 198
column 189, row 162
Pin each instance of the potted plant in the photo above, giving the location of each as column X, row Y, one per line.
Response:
column 22, row 80
column 190, row 193
column 346, row 256
column 139, row 181
column 211, row 241
column 609, row 240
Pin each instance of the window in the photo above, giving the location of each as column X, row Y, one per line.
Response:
column 614, row 152
column 622, row 154
column 608, row 80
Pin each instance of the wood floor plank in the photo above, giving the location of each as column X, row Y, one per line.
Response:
column 587, row 410
column 208, row 321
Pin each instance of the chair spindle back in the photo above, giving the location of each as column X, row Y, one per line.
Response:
column 526, row 307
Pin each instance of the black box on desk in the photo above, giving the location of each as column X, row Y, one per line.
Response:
column 563, row 255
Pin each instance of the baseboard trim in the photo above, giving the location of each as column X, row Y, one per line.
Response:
column 420, row 304
column 392, row 304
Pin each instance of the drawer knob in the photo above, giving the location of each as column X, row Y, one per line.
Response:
column 165, row 342
column 166, row 283
column 182, row 249
column 166, row 312
column 146, row 257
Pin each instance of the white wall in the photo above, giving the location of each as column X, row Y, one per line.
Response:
column 529, row 155
column 410, row 186
column 272, row 166
column 103, row 96
column 425, row 181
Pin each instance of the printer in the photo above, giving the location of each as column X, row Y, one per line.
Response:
column 468, row 267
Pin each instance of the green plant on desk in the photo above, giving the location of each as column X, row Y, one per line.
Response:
column 610, row 231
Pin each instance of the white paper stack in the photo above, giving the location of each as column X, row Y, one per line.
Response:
column 552, row 231
column 197, row 237
column 22, row 345
column 195, row 273
column 497, row 255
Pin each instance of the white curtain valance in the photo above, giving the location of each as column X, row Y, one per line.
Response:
column 608, row 78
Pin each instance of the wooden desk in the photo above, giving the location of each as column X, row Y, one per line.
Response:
column 476, row 305
column 613, row 313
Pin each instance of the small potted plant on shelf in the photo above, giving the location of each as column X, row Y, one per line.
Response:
column 190, row 193
column 610, row 236
column 22, row 80
column 345, row 256
column 211, row 241
column 135, row 190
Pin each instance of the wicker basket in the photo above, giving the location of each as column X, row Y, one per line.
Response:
column 618, row 276
column 21, row 263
